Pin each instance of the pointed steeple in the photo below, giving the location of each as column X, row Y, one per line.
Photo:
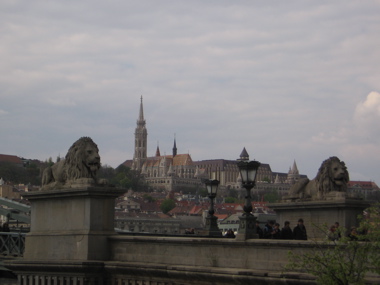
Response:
column 174, row 147
column 244, row 155
column 158, row 151
column 294, row 168
column 141, row 134
column 141, row 114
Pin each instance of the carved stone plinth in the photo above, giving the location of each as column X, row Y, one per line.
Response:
column 211, row 227
column 247, row 228
column 71, row 223
column 317, row 213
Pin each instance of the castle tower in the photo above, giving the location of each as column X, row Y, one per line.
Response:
column 141, row 135
column 293, row 174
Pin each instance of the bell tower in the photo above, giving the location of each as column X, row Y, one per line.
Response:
column 141, row 135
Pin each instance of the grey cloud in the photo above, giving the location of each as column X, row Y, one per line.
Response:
column 281, row 78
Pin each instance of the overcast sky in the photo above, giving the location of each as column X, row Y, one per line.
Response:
column 288, row 80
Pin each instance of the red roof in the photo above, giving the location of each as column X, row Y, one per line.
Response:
column 10, row 158
column 362, row 184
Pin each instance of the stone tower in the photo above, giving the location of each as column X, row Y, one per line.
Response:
column 141, row 135
column 293, row 174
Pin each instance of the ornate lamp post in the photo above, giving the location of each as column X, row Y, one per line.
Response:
column 248, row 170
column 211, row 221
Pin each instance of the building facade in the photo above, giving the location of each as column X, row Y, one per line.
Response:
column 178, row 171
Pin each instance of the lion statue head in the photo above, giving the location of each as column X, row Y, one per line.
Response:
column 80, row 165
column 82, row 159
column 332, row 176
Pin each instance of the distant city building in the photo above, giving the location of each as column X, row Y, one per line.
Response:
column 363, row 189
column 178, row 171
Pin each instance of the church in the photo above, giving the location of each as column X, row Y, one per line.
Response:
column 176, row 172
column 167, row 172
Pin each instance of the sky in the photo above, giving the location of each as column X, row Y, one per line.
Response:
column 287, row 80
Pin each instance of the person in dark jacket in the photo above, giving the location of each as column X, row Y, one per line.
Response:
column 259, row 230
column 276, row 233
column 299, row 231
column 6, row 227
column 230, row 234
column 268, row 229
column 286, row 232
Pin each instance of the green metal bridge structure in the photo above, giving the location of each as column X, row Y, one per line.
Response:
column 13, row 243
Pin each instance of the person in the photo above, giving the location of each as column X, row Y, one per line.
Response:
column 332, row 234
column 337, row 229
column 299, row 231
column 286, row 232
column 353, row 235
column 229, row 234
column 6, row 227
column 268, row 229
column 259, row 230
column 276, row 233
column 189, row 231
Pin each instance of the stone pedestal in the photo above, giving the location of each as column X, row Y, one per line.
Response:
column 316, row 214
column 71, row 224
column 211, row 227
column 247, row 228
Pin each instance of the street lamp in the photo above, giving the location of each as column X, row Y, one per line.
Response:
column 211, row 221
column 248, row 171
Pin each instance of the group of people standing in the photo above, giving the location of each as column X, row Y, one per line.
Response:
column 4, row 227
column 272, row 231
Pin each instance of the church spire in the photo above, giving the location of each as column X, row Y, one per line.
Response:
column 294, row 168
column 174, row 147
column 141, row 114
column 141, row 134
column 158, row 151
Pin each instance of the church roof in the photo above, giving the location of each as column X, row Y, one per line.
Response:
column 179, row 159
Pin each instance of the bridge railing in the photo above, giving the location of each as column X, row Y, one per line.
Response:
column 12, row 243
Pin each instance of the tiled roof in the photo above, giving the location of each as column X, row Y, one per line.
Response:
column 179, row 159
column 182, row 159
column 10, row 158
column 128, row 163
column 362, row 184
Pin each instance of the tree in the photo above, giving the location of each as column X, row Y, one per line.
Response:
column 123, row 177
column 347, row 260
column 271, row 196
column 167, row 205
column 203, row 192
column 148, row 198
column 230, row 200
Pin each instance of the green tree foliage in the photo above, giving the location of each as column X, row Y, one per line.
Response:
column 233, row 193
column 230, row 200
column 267, row 179
column 203, row 192
column 347, row 260
column 148, row 198
column 167, row 205
column 17, row 174
column 123, row 177
column 271, row 196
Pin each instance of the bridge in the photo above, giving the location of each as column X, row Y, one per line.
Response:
column 15, row 210
column 73, row 242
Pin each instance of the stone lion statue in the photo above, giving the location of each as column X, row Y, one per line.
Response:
column 80, row 166
column 331, row 176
